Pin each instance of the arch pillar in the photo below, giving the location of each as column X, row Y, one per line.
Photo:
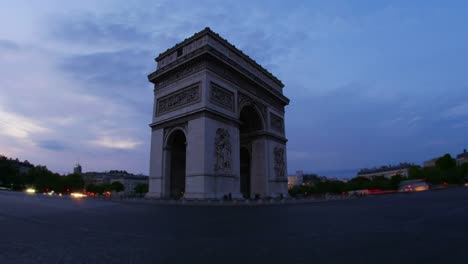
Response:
column 201, row 87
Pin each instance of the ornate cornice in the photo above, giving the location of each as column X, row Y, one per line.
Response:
column 207, row 37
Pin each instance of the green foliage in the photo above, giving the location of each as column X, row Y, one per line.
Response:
column 446, row 162
column 141, row 188
column 8, row 173
column 98, row 189
column 74, row 182
column 359, row 183
column 41, row 178
column 117, row 186
column 444, row 171
column 331, row 186
column 338, row 187
column 302, row 190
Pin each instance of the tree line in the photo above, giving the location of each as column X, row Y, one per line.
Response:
column 39, row 177
column 444, row 171
column 44, row 180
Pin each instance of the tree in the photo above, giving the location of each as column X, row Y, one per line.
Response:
column 415, row 172
column 446, row 162
column 359, row 183
column 74, row 182
column 8, row 173
column 141, row 188
column 117, row 186
column 395, row 181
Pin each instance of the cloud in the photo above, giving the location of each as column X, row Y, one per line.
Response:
column 8, row 45
column 456, row 111
column 52, row 145
column 111, row 71
column 18, row 126
column 91, row 30
column 116, row 143
column 361, row 87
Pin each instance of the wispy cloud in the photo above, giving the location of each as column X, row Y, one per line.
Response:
column 52, row 145
column 116, row 143
column 18, row 126
column 8, row 45
column 362, row 88
column 460, row 110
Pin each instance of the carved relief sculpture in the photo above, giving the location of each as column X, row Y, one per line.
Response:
column 178, row 99
column 222, row 97
column 279, row 162
column 181, row 73
column 223, row 151
column 276, row 123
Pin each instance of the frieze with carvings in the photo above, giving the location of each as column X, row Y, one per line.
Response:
column 242, row 62
column 278, row 154
column 222, row 97
column 240, row 81
column 179, row 74
column 178, row 99
column 223, row 151
column 276, row 123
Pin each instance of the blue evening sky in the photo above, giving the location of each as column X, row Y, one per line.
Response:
column 371, row 82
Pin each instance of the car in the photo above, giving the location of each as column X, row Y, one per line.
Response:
column 413, row 186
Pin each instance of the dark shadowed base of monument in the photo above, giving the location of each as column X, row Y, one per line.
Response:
column 427, row 227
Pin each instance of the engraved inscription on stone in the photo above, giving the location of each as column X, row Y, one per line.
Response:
column 222, row 96
column 276, row 123
column 279, row 162
column 178, row 99
column 223, row 149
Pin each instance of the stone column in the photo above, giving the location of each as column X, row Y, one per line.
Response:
column 156, row 189
column 259, row 168
column 196, row 155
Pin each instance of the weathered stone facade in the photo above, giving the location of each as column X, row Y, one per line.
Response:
column 218, row 123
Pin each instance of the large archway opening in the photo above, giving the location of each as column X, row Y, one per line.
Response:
column 245, row 172
column 176, row 146
column 250, row 122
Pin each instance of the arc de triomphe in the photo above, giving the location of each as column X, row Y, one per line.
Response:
column 218, row 123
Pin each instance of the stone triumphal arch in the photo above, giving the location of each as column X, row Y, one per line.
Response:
column 218, row 123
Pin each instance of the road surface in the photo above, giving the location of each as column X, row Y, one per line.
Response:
column 428, row 227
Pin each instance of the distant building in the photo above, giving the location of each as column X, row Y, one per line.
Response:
column 77, row 169
column 430, row 163
column 130, row 181
column 387, row 171
column 462, row 158
column 295, row 180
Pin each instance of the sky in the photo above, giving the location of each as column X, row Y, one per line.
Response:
column 371, row 83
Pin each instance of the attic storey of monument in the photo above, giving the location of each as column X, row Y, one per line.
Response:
column 230, row 111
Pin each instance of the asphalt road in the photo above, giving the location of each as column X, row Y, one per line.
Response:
column 429, row 227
